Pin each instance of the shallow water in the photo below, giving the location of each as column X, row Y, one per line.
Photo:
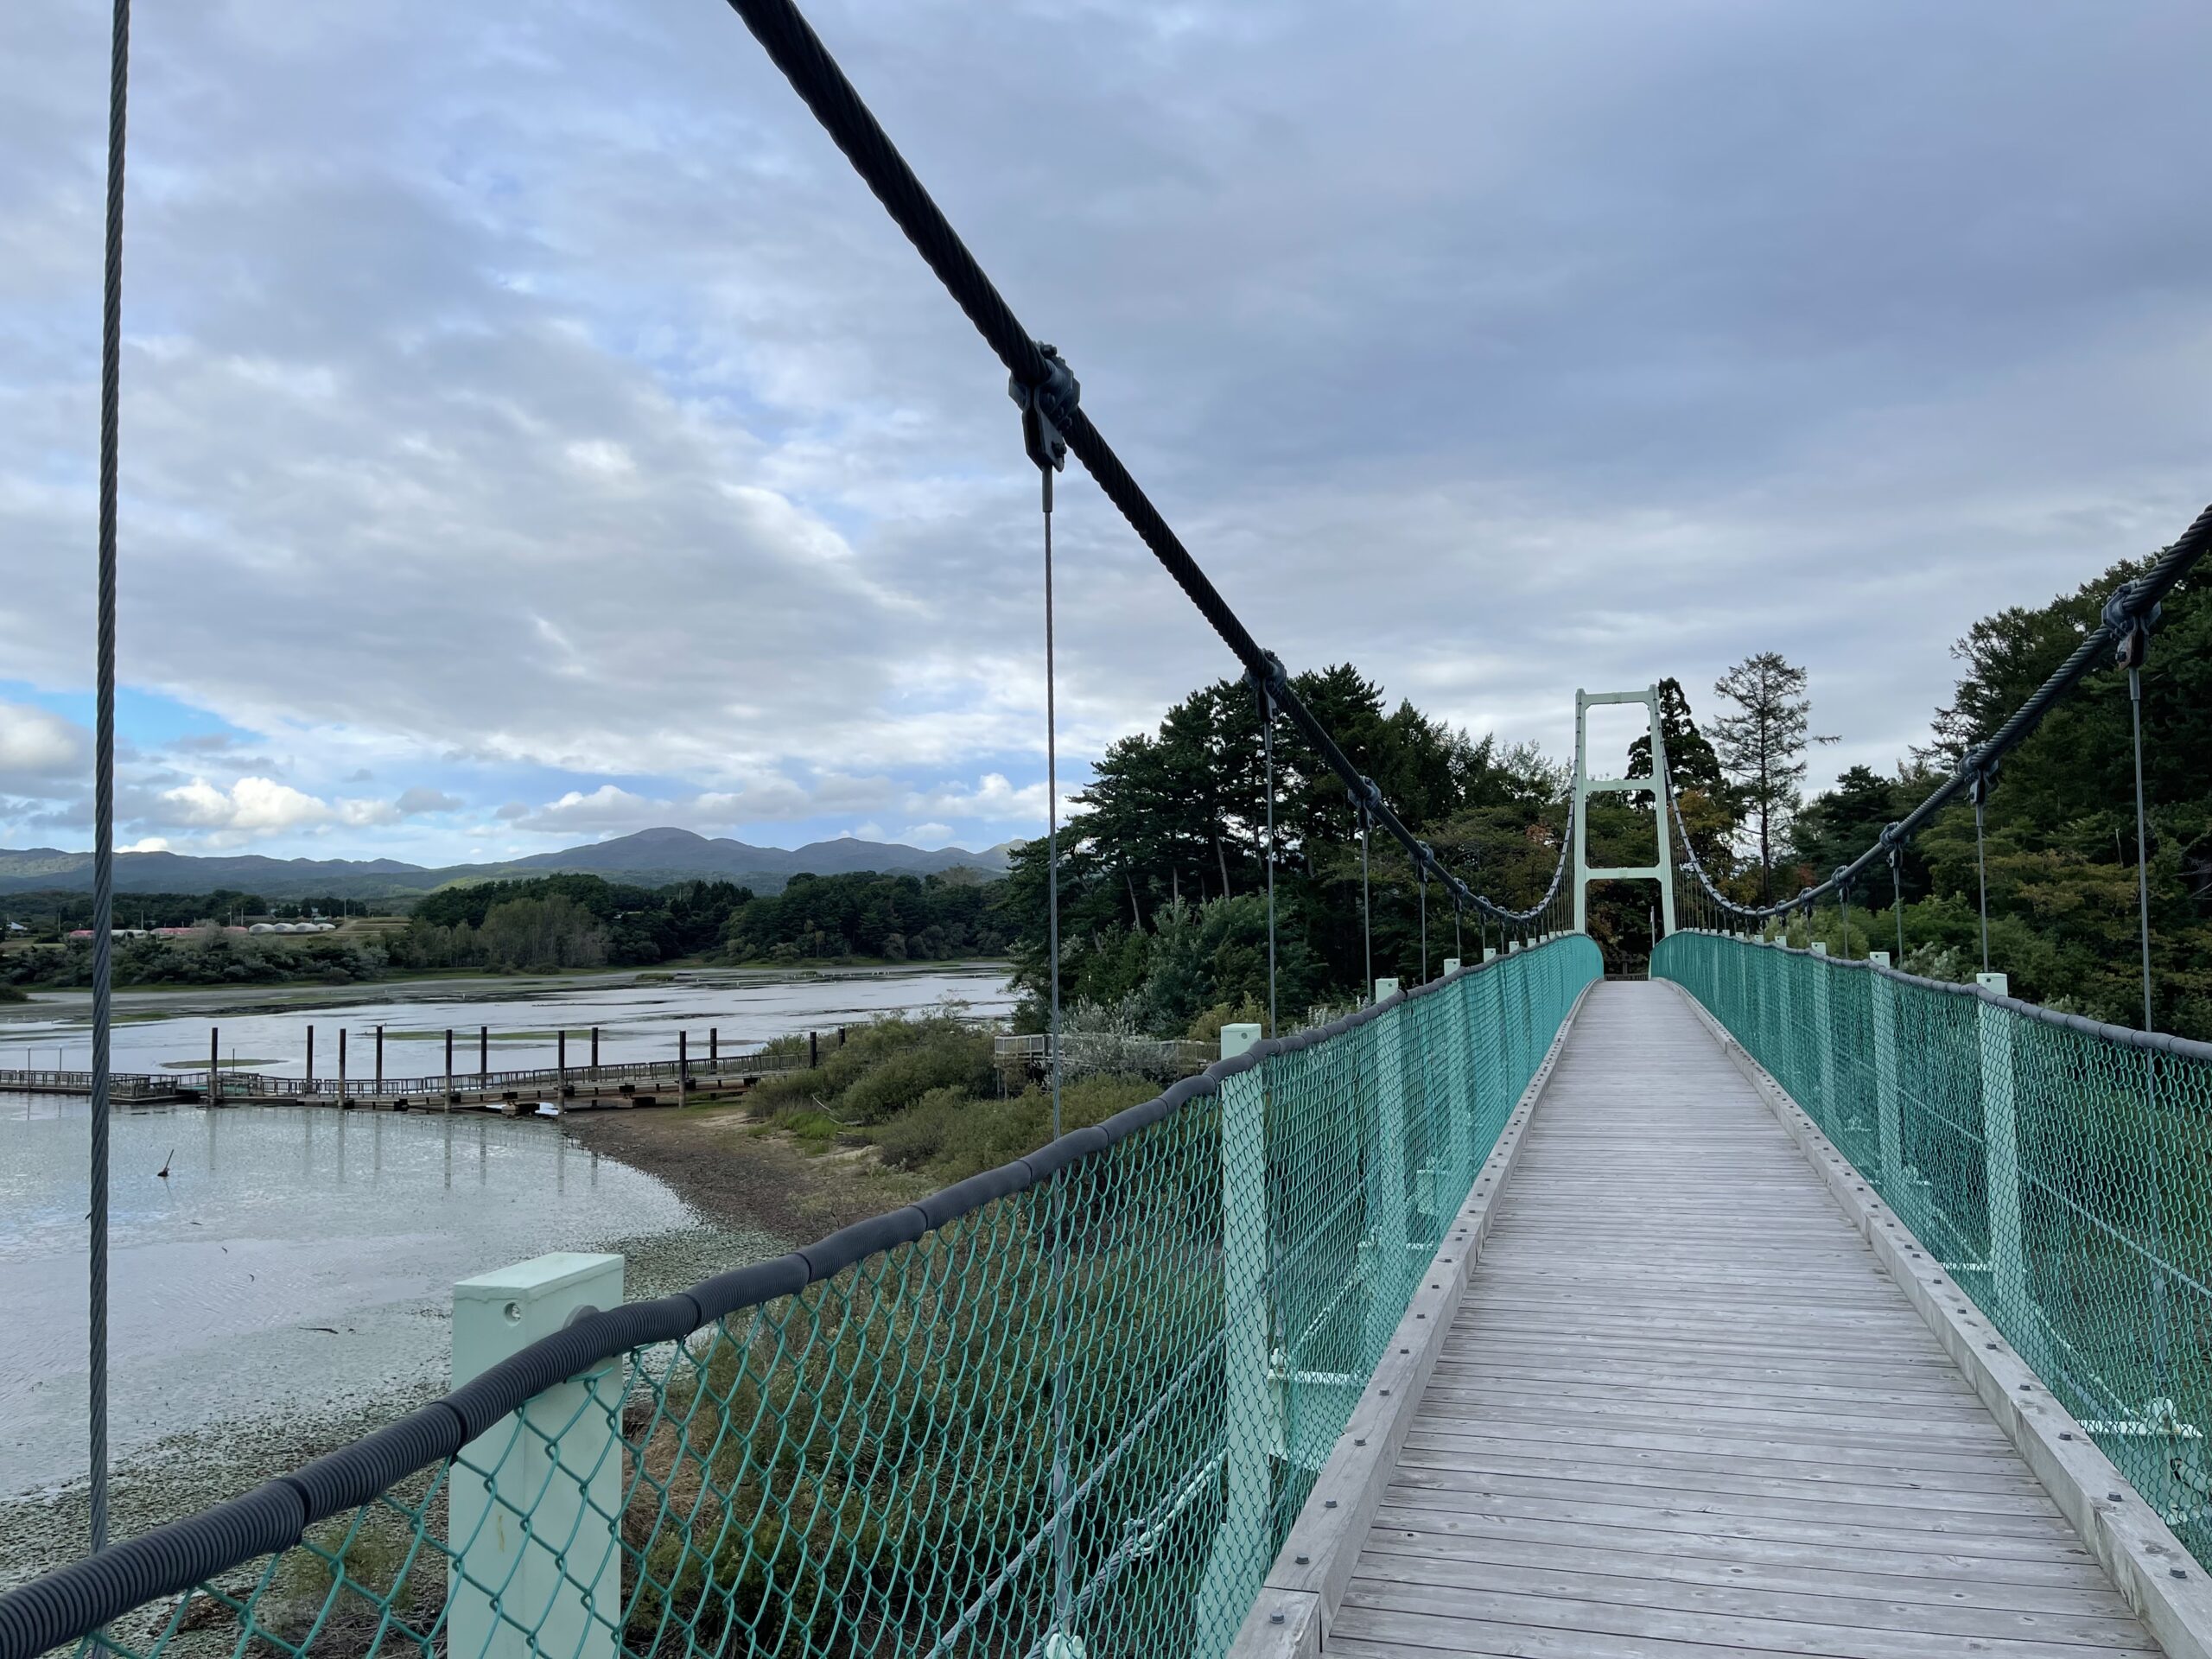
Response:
column 293, row 1260
column 296, row 1264
column 636, row 1022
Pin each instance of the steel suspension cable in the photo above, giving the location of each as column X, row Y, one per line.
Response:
column 1062, row 1555
column 1366, row 911
column 1981, row 870
column 1896, row 896
column 1267, row 749
column 2142, row 841
column 104, row 765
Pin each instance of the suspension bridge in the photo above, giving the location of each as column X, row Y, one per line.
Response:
column 1781, row 1302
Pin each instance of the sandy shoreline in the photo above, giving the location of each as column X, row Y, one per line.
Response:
column 735, row 1177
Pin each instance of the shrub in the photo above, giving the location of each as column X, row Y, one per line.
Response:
column 915, row 1138
column 947, row 1058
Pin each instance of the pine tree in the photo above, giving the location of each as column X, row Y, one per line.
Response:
column 1762, row 745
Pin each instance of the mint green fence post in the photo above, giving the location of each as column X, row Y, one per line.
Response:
column 2001, row 1150
column 1824, row 1033
column 1239, row 1560
column 1890, row 1130
column 534, row 1500
column 1386, row 1181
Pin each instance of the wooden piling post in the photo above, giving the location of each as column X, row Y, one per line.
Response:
column 309, row 1091
column 214, row 1070
column 683, row 1062
column 561, row 1063
column 594, row 1054
column 379, row 1060
column 813, row 1049
column 341, row 1067
column 714, row 1046
column 483, row 1056
column 448, row 1065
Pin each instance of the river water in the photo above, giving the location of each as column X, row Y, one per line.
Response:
column 639, row 1017
column 293, row 1271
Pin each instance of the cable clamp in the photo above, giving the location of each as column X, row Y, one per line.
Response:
column 1045, row 409
column 2132, row 632
column 1269, row 688
column 1980, row 772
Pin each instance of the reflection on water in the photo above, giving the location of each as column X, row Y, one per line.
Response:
column 294, row 1258
column 635, row 1022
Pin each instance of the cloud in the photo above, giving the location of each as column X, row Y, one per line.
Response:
column 993, row 798
column 252, row 805
column 147, row 844
column 423, row 799
column 607, row 809
column 42, row 748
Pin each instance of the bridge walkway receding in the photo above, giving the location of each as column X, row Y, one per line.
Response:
column 1682, row 1411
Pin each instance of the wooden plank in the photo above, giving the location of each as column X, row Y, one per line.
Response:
column 1736, row 1555
column 1820, row 1600
column 1681, row 1412
column 1489, row 1614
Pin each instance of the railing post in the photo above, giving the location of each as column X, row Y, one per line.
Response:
column 2000, row 1151
column 215, row 1068
column 1892, row 1128
column 1824, row 1031
column 557, row 1586
column 1385, row 1174
column 1239, row 1560
column 1785, row 1035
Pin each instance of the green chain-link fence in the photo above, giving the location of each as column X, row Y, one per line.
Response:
column 2060, row 1170
column 1070, row 1415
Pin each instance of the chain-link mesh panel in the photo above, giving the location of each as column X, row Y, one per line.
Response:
column 1076, row 1422
column 2061, row 1173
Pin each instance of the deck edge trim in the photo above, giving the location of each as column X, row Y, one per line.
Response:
column 2135, row 1547
column 1298, row 1604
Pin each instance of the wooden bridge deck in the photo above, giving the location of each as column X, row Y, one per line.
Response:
column 1681, row 1411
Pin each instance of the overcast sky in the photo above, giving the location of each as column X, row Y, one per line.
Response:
column 532, row 432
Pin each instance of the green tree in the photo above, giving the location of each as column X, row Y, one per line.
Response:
column 1761, row 746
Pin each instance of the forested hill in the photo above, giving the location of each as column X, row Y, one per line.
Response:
column 651, row 858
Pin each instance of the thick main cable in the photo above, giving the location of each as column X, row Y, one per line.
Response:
column 792, row 45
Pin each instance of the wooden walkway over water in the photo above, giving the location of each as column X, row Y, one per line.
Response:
column 1682, row 1412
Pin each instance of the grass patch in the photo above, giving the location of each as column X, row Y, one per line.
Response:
column 926, row 1093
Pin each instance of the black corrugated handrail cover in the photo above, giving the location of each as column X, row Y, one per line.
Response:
column 86, row 1594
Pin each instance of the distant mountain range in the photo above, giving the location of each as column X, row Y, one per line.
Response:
column 651, row 858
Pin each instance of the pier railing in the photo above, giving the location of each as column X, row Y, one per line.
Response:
column 249, row 1085
column 122, row 1085
column 1067, row 1407
column 2060, row 1169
